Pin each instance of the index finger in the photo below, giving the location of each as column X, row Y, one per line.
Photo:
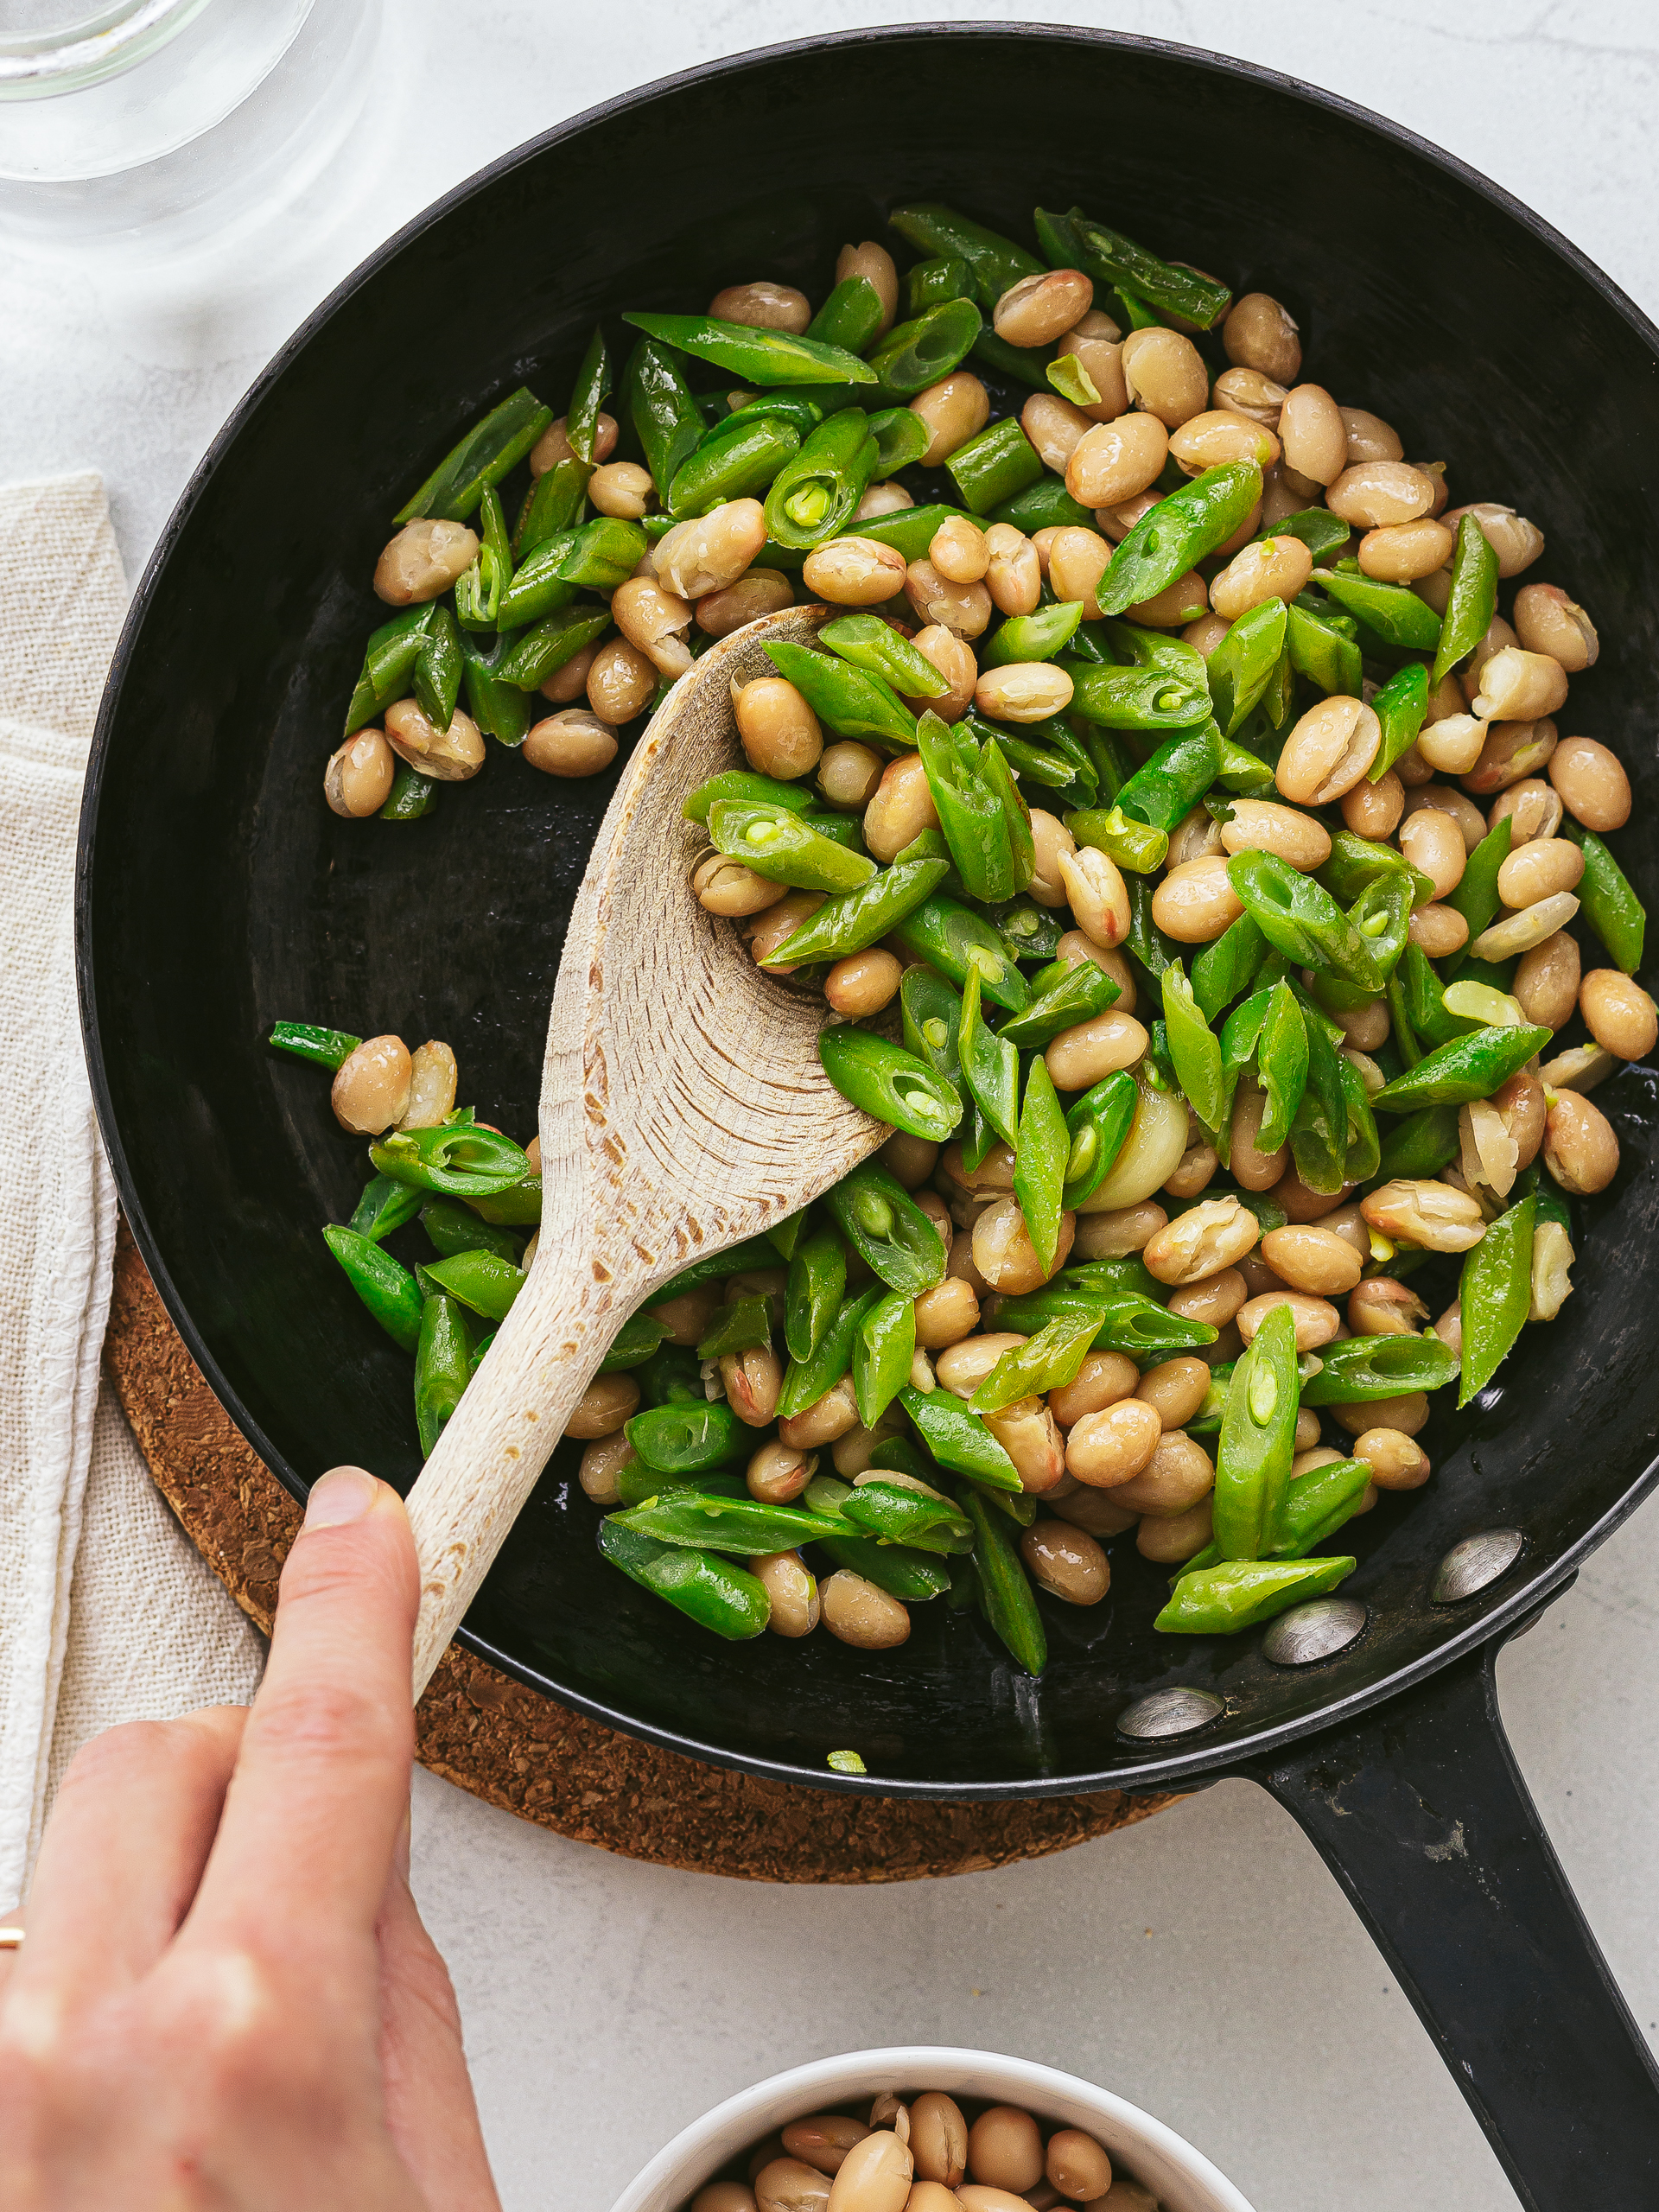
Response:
column 314, row 1809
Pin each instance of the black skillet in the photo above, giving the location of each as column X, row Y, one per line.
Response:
column 216, row 893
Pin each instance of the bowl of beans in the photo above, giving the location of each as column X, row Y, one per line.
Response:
column 917, row 2129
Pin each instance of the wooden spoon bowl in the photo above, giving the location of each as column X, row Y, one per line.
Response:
column 683, row 1109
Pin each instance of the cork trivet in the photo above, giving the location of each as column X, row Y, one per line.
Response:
column 480, row 1729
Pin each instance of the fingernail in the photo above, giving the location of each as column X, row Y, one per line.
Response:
column 344, row 1494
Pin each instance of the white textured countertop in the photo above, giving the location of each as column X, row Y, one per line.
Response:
column 1203, row 1964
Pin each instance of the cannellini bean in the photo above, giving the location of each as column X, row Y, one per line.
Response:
column 1115, row 1445
column 1520, row 932
column 370, row 1093
column 423, row 560
column 1328, row 750
column 1519, row 686
column 1151, row 1152
column 1429, row 1214
column 1259, row 334
column 1592, row 784
column 1516, row 542
column 763, row 305
column 1376, row 493
column 856, row 572
column 1112, row 462
column 1317, row 1320
column 1261, row 825
column 1619, row 1013
column 1548, row 621
column 1202, row 1241
column 1098, row 895
column 1581, row 1149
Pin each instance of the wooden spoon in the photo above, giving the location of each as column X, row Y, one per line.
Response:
column 683, row 1108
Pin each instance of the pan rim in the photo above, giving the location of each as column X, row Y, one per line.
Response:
column 1169, row 1769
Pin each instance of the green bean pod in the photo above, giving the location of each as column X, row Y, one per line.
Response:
column 1357, row 1370
column 814, row 494
column 687, row 1437
column 1282, row 1063
column 539, row 652
column 813, row 1295
column 638, row 1340
column 779, row 845
column 664, row 415
column 1138, row 698
column 1421, row 1146
column 483, row 1281
column 1301, row 918
column 1401, row 707
column 1243, row 1593
column 553, row 505
column 1610, row 906
column 1004, row 1594
column 957, row 941
column 1128, row 1320
column 911, row 1576
column 323, row 1048
column 1471, row 1066
column 848, row 700
column 850, row 318
column 996, row 262
column 1315, row 1505
column 1229, row 966
column 456, row 1159
column 1111, row 258
column 1098, row 1126
column 892, row 1084
column 517, row 1206
column 1326, row 655
column 736, row 1326
column 711, row 1592
column 384, row 1206
column 1047, row 1361
column 764, row 356
column 1475, row 895
column 958, row 1440
column 1494, row 1295
column 1046, row 505
column 1323, row 533
column 1134, row 845
column 1471, row 601
column 484, row 457
column 1033, row 637
column 995, row 465
column 1041, row 1161
column 1169, row 784
column 1258, row 1437
column 442, row 1368
column 589, row 394
column 453, row 1227
column 805, row 1380
column 945, row 277
column 901, row 438
column 1193, row 1048
column 1396, row 614
column 1178, row 533
column 887, row 1229
column 990, row 1065
column 384, row 1285
column 738, row 466
column 875, row 645
column 927, row 1521
column 883, row 1351
column 1241, row 665
column 1077, row 994
column 672, row 1375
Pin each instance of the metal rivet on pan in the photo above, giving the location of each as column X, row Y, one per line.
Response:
column 1478, row 1561
column 1318, row 1630
column 1168, row 1712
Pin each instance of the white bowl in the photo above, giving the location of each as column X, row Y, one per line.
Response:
column 1180, row 2177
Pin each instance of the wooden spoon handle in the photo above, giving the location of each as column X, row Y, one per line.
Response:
column 499, row 1437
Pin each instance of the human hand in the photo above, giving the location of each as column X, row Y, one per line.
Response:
column 226, row 1996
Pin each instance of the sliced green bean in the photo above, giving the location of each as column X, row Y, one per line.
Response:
column 484, row 457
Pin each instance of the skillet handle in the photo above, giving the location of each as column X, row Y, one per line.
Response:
column 1418, row 1810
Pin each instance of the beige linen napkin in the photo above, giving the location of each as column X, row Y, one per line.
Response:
column 106, row 1612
